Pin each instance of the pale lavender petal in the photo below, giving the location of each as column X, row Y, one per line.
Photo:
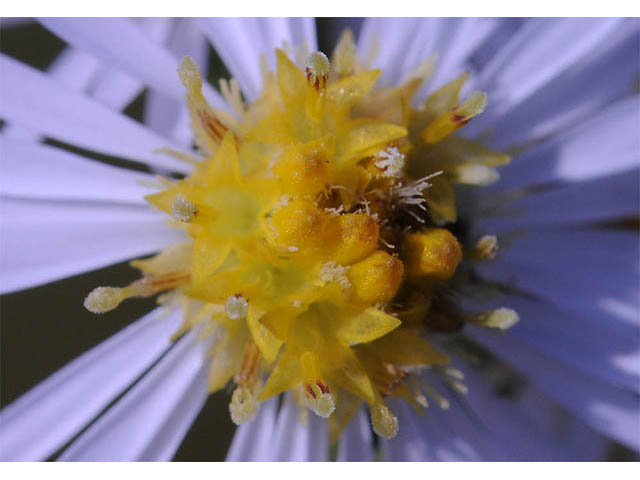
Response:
column 44, row 240
column 130, row 426
column 37, row 171
column 253, row 440
column 356, row 443
column 32, row 99
column 47, row 416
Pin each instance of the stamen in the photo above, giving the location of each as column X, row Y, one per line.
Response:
column 392, row 162
column 236, row 307
column 244, row 404
column 412, row 193
column 384, row 423
column 183, row 210
column 487, row 247
column 318, row 399
column 456, row 118
column 317, row 70
column 105, row 299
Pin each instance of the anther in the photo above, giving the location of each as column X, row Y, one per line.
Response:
column 236, row 307
column 189, row 73
column 104, row 299
column 317, row 70
column 500, row 318
column 384, row 422
column 183, row 210
column 244, row 404
column 318, row 399
column 455, row 118
column 487, row 247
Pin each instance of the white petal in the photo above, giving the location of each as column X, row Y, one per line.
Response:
column 603, row 76
column 130, row 426
column 303, row 31
column 275, row 32
column 602, row 199
column 605, row 144
column 46, row 417
column 356, row 442
column 73, row 68
column 167, row 440
column 532, row 58
column 253, row 440
column 120, row 43
column 44, row 240
column 590, row 273
column 607, row 409
column 37, row 171
column 238, row 41
column 32, row 99
column 293, row 442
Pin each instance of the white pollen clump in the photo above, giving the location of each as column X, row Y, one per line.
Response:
column 189, row 73
column 384, row 423
column 243, row 405
column 501, row 318
column 487, row 247
column 182, row 209
column 391, row 162
column 236, row 307
column 332, row 272
column 103, row 299
column 476, row 175
column 318, row 64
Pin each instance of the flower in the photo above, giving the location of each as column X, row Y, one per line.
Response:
column 559, row 208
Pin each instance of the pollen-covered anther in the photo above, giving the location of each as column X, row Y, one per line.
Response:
column 104, row 299
column 455, row 118
column 317, row 70
column 244, row 404
column 384, row 422
column 183, row 210
column 391, row 162
column 486, row 247
column 189, row 73
column 318, row 399
column 332, row 272
column 500, row 318
column 433, row 254
column 236, row 307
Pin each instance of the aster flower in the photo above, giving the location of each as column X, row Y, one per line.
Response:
column 351, row 239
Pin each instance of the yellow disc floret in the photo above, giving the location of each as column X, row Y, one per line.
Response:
column 316, row 221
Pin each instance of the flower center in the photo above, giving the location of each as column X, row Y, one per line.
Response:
column 318, row 245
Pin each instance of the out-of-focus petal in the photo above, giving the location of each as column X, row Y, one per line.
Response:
column 356, row 443
column 532, row 57
column 238, row 42
column 293, row 442
column 607, row 409
column 605, row 144
column 46, row 417
column 44, row 240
